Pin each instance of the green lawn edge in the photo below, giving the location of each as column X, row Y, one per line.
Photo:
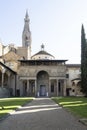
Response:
column 8, row 105
column 75, row 105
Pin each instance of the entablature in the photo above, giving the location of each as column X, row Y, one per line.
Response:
column 42, row 62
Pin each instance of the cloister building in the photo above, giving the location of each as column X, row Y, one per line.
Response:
column 23, row 74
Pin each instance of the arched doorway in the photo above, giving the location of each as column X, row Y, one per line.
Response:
column 42, row 83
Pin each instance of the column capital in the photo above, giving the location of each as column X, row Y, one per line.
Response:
column 3, row 70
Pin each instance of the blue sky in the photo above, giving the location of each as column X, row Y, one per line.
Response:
column 55, row 23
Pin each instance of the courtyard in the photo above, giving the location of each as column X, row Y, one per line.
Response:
column 41, row 114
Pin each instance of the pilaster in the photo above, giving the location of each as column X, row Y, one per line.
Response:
column 35, row 88
column 3, row 72
column 57, row 86
column 64, row 90
column 27, row 87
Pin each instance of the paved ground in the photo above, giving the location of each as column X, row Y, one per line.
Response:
column 41, row 114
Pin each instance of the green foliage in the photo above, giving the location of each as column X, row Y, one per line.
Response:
column 77, row 105
column 83, row 62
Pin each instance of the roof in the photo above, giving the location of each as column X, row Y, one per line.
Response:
column 41, row 62
column 73, row 65
column 11, row 56
column 44, row 61
column 7, row 68
column 42, row 52
column 78, row 79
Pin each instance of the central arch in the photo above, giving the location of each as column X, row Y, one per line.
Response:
column 42, row 83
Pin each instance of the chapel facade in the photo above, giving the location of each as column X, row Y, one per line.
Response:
column 39, row 75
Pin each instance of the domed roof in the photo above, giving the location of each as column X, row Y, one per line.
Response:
column 42, row 54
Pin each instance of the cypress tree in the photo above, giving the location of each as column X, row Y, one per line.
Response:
column 83, row 62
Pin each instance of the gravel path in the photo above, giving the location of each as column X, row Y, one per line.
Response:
column 41, row 114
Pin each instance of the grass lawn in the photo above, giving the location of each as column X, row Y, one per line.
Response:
column 10, row 104
column 77, row 105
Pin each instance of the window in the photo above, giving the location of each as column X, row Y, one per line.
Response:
column 26, row 38
column 52, row 88
column 73, row 90
column 67, row 75
column 73, row 83
column 59, row 87
column 79, row 83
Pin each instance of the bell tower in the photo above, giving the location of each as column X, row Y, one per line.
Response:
column 26, row 35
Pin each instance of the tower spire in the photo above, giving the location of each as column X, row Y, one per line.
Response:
column 26, row 35
column 26, row 16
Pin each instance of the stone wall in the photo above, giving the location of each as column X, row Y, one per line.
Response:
column 4, row 93
column 32, row 71
column 22, row 51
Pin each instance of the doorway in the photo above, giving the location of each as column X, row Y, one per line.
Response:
column 42, row 90
column 68, row 91
column 42, row 83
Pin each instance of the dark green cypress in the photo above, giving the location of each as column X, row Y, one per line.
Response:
column 83, row 62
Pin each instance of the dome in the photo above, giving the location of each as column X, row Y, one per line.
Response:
column 42, row 55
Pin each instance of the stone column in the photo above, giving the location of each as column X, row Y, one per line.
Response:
column 62, row 87
column 35, row 87
column 2, row 79
column 3, row 72
column 64, row 90
column 49, row 87
column 9, row 79
column 57, row 87
column 27, row 87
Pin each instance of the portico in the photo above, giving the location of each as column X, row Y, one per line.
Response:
column 45, row 87
column 7, row 81
column 57, row 86
column 28, row 86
